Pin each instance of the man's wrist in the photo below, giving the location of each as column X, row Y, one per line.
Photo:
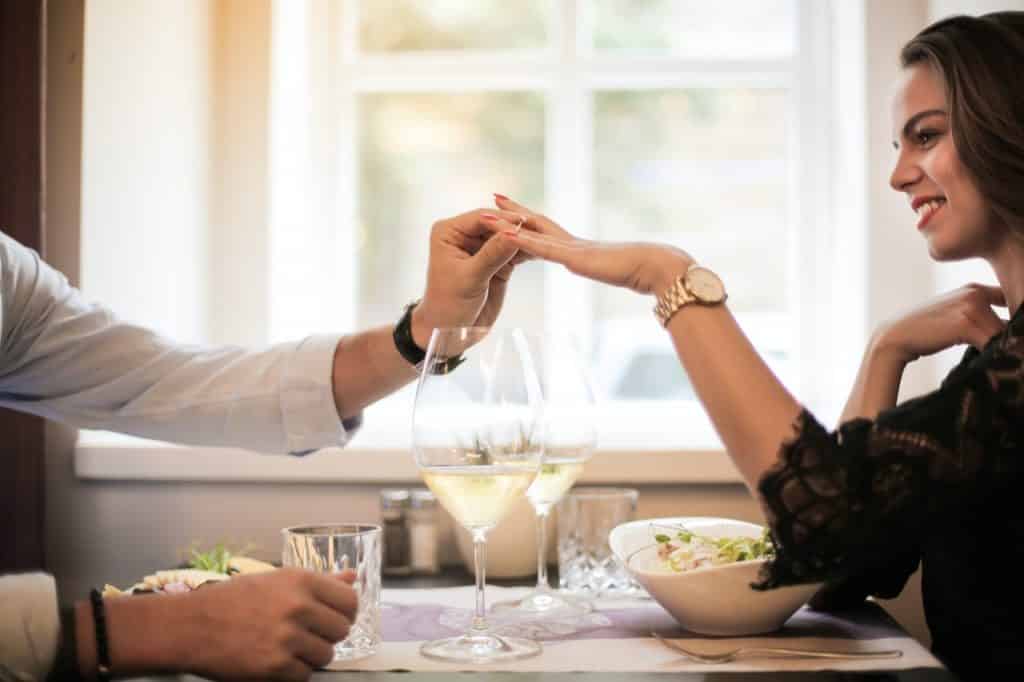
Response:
column 421, row 327
column 145, row 635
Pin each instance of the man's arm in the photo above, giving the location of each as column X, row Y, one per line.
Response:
column 64, row 358
column 29, row 625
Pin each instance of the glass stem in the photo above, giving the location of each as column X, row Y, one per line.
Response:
column 480, row 566
column 542, row 546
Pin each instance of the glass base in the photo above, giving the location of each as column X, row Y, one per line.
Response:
column 544, row 602
column 480, row 648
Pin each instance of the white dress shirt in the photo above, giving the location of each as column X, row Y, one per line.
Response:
column 69, row 360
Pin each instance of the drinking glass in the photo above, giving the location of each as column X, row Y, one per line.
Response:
column 570, row 436
column 586, row 563
column 333, row 548
column 477, row 441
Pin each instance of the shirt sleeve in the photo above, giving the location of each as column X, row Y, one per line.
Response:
column 29, row 625
column 66, row 359
column 842, row 504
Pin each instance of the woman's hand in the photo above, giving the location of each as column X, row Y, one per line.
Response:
column 644, row 268
column 964, row 315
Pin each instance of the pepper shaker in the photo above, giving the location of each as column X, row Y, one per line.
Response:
column 394, row 506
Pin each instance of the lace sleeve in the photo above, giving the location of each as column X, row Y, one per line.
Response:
column 841, row 504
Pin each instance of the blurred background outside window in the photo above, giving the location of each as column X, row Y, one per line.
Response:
column 676, row 121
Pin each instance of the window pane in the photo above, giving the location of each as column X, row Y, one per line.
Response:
column 734, row 29
column 705, row 170
column 428, row 156
column 421, row 25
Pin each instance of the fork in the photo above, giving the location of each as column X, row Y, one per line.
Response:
column 726, row 656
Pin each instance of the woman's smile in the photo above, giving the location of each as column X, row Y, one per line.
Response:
column 926, row 209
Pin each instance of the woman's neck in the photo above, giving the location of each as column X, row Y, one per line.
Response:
column 1007, row 262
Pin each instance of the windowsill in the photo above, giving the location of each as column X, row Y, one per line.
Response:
column 101, row 456
column 647, row 452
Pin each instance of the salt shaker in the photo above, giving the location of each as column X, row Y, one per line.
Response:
column 394, row 507
column 422, row 524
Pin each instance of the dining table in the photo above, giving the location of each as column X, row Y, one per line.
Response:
column 615, row 642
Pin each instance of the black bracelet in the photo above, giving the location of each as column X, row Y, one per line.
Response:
column 99, row 619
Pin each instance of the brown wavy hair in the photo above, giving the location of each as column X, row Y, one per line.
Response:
column 981, row 61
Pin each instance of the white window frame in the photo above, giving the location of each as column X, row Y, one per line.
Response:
column 566, row 77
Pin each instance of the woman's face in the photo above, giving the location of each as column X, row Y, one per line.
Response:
column 951, row 213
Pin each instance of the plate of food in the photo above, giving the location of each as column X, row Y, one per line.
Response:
column 202, row 568
column 700, row 569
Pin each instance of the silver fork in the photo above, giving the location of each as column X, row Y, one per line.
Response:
column 726, row 656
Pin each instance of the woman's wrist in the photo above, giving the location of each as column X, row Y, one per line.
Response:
column 886, row 346
column 669, row 269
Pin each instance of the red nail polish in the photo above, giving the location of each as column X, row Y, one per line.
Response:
column 501, row 196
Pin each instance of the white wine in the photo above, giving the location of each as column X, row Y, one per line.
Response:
column 556, row 476
column 478, row 496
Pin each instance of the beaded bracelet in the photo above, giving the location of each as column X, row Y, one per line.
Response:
column 99, row 618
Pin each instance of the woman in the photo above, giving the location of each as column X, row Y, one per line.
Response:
column 933, row 479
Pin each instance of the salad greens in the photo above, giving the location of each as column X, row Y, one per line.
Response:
column 685, row 550
column 216, row 560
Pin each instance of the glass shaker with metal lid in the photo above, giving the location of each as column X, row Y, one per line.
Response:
column 394, row 507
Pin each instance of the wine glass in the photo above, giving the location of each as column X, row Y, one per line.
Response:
column 570, row 436
column 477, row 442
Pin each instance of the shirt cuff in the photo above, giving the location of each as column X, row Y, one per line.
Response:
column 308, row 410
column 29, row 624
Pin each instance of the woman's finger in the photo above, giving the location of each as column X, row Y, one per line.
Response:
column 534, row 220
column 548, row 248
column 496, row 223
column 994, row 295
column 981, row 325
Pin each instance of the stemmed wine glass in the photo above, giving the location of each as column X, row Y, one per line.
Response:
column 477, row 442
column 570, row 436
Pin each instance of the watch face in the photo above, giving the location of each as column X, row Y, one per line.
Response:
column 705, row 285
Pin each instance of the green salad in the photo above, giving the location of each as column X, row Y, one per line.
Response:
column 683, row 550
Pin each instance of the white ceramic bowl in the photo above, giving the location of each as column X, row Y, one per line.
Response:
column 716, row 600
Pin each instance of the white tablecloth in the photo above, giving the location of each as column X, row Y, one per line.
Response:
column 615, row 637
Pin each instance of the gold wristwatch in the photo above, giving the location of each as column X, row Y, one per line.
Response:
column 696, row 285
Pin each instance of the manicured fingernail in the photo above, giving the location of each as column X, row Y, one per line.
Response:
column 501, row 196
column 489, row 218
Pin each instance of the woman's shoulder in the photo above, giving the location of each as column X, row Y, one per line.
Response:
column 999, row 365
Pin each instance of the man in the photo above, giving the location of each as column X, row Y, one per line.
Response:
column 66, row 359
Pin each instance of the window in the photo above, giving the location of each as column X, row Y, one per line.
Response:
column 668, row 120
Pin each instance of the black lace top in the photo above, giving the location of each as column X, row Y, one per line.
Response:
column 937, row 480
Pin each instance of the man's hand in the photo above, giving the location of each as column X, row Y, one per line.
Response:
column 467, row 276
column 280, row 625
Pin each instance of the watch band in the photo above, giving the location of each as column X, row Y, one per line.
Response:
column 674, row 298
column 412, row 353
column 404, row 342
